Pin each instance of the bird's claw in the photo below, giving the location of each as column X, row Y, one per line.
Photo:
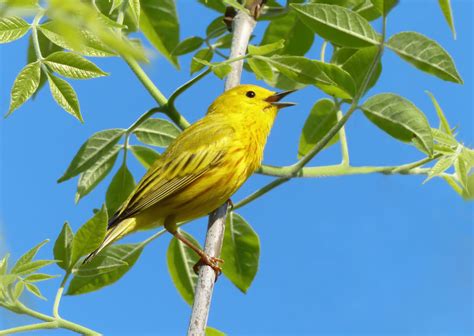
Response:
column 212, row 262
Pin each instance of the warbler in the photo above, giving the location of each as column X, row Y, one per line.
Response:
column 202, row 168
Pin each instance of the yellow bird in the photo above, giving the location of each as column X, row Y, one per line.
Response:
column 202, row 168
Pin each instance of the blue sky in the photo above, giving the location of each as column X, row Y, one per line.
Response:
column 358, row 255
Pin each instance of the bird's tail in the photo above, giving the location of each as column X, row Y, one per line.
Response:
column 113, row 234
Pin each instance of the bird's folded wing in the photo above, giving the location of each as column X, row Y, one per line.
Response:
column 198, row 149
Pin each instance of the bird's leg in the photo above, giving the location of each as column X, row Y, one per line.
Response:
column 205, row 259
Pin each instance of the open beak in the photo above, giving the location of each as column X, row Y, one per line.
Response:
column 275, row 99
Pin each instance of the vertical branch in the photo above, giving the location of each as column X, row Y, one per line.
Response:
column 242, row 30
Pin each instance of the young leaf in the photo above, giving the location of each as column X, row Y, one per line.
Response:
column 425, row 54
column 297, row 36
column 34, row 290
column 18, row 290
column 322, row 118
column 89, row 179
column 241, row 251
column 445, row 6
column 400, row 118
column 119, row 189
column 384, row 6
column 367, row 10
column 266, row 48
column 443, row 122
column 157, row 132
column 4, row 264
column 441, row 166
column 27, row 257
column 221, row 70
column 26, row 83
column 462, row 171
column 358, row 65
column 63, row 247
column 261, row 69
column 82, row 42
column 12, row 28
column 100, row 265
column 146, row 156
column 32, row 266
column 214, row 332
column 89, row 236
column 159, row 23
column 181, row 260
column 124, row 256
column 39, row 277
column 92, row 150
column 337, row 24
column 202, row 54
column 188, row 45
column 65, row 96
column 468, row 192
column 134, row 6
column 74, row 66
column 216, row 28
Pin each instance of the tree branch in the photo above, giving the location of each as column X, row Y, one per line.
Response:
column 243, row 27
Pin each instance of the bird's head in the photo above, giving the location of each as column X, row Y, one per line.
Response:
column 250, row 101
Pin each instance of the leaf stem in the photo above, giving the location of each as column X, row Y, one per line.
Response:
column 323, row 51
column 343, row 141
column 34, row 34
column 59, row 294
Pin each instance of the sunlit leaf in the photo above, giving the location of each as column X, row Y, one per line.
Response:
column 34, row 290
column 445, row 6
column 425, row 54
column 26, row 83
column 441, row 166
column 63, row 247
column 188, row 45
column 400, row 118
column 384, row 6
column 92, row 150
column 65, row 96
column 12, row 28
column 444, row 125
column 157, row 132
column 73, row 66
column 358, row 65
column 27, row 257
column 214, row 332
column 202, row 54
column 266, row 48
column 89, row 236
column 337, row 24
column 146, row 156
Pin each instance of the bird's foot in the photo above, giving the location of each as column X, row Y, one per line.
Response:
column 212, row 262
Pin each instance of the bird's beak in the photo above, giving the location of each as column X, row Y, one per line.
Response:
column 275, row 99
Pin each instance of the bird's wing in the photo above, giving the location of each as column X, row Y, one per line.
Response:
column 194, row 152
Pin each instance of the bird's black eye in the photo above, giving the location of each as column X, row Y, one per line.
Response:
column 250, row 94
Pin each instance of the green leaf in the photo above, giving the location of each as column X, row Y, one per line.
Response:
column 123, row 255
column 322, row 118
column 216, row 28
column 384, row 6
column 74, row 66
column 425, row 54
column 224, row 42
column 241, row 252
column 337, row 24
column 89, row 236
column 400, row 118
column 47, row 48
column 188, row 45
column 18, row 290
column 146, row 156
column 468, row 193
column 89, row 179
column 221, row 70
column 441, row 166
column 27, row 257
column 157, row 132
column 462, row 171
column 214, row 332
column 202, row 54
column 445, row 6
column 159, row 23
column 297, row 36
column 35, row 290
column 367, row 10
column 261, row 69
column 4, row 264
column 328, row 77
column 217, row 5
column 359, row 64
column 444, row 125
column 65, row 96
column 26, row 83
column 181, row 260
column 39, row 277
column 266, row 48
column 119, row 189
column 82, row 42
column 92, row 150
column 135, row 9
column 63, row 247
column 12, row 28
column 32, row 266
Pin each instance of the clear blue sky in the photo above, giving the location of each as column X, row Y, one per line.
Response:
column 359, row 255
